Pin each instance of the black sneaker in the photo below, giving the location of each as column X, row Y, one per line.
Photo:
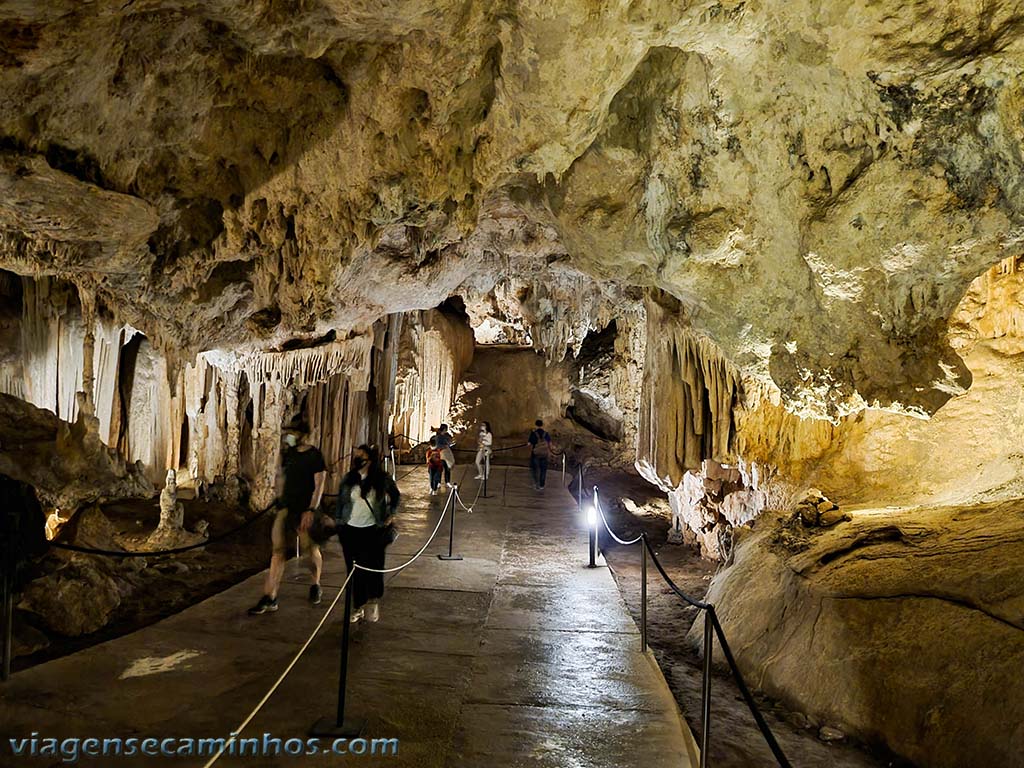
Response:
column 315, row 594
column 267, row 604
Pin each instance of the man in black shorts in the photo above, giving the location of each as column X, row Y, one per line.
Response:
column 304, row 473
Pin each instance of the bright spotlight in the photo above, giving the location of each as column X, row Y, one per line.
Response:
column 591, row 515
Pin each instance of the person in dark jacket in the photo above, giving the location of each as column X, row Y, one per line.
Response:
column 540, row 452
column 367, row 501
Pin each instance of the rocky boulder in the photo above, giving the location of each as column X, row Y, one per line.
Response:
column 77, row 599
column 598, row 414
column 904, row 627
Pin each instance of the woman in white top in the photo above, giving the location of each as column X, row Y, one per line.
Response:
column 367, row 501
column 483, row 451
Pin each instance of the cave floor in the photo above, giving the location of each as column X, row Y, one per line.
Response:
column 516, row 655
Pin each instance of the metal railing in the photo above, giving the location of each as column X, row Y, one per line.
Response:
column 712, row 628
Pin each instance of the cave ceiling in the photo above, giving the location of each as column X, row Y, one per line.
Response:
column 816, row 184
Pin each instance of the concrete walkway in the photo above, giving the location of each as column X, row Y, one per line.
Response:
column 517, row 655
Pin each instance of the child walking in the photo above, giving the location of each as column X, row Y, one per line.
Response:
column 435, row 465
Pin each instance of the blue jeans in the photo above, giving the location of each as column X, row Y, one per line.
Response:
column 538, row 469
column 435, row 477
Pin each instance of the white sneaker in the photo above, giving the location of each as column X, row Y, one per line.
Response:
column 357, row 614
column 479, row 477
column 372, row 611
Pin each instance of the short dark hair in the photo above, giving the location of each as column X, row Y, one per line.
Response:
column 298, row 425
column 539, row 423
column 443, row 427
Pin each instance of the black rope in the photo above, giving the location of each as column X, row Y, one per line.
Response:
column 762, row 725
column 657, row 564
column 712, row 615
column 493, row 450
column 163, row 552
column 406, row 474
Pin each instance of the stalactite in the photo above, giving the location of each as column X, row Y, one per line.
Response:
column 232, row 445
column 300, row 368
column 180, row 415
column 690, row 392
column 88, row 300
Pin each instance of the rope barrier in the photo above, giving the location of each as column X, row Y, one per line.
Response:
column 235, row 733
column 762, row 725
column 277, row 683
column 672, row 585
column 469, row 509
column 162, row 552
column 611, row 533
column 493, row 450
column 423, row 549
column 709, row 615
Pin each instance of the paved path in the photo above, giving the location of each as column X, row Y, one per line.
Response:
column 517, row 655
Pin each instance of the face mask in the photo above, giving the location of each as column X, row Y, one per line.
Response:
column 358, row 463
column 290, row 440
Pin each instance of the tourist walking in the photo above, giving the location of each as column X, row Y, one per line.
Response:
column 540, row 452
column 367, row 501
column 435, row 466
column 484, row 443
column 304, row 474
column 445, row 443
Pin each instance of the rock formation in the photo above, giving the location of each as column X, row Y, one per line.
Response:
column 754, row 247
column 778, row 170
column 906, row 627
column 170, row 533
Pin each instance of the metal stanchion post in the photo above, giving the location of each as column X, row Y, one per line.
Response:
column 451, row 527
column 338, row 726
column 394, row 464
column 592, row 525
column 705, row 698
column 643, row 592
column 563, row 470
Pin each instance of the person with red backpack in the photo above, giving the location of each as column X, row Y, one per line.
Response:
column 540, row 452
column 435, row 465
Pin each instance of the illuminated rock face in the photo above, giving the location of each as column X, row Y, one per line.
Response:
column 901, row 626
column 968, row 452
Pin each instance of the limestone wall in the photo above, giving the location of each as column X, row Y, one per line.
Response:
column 512, row 387
column 968, row 451
column 903, row 627
column 190, row 417
column 434, row 351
